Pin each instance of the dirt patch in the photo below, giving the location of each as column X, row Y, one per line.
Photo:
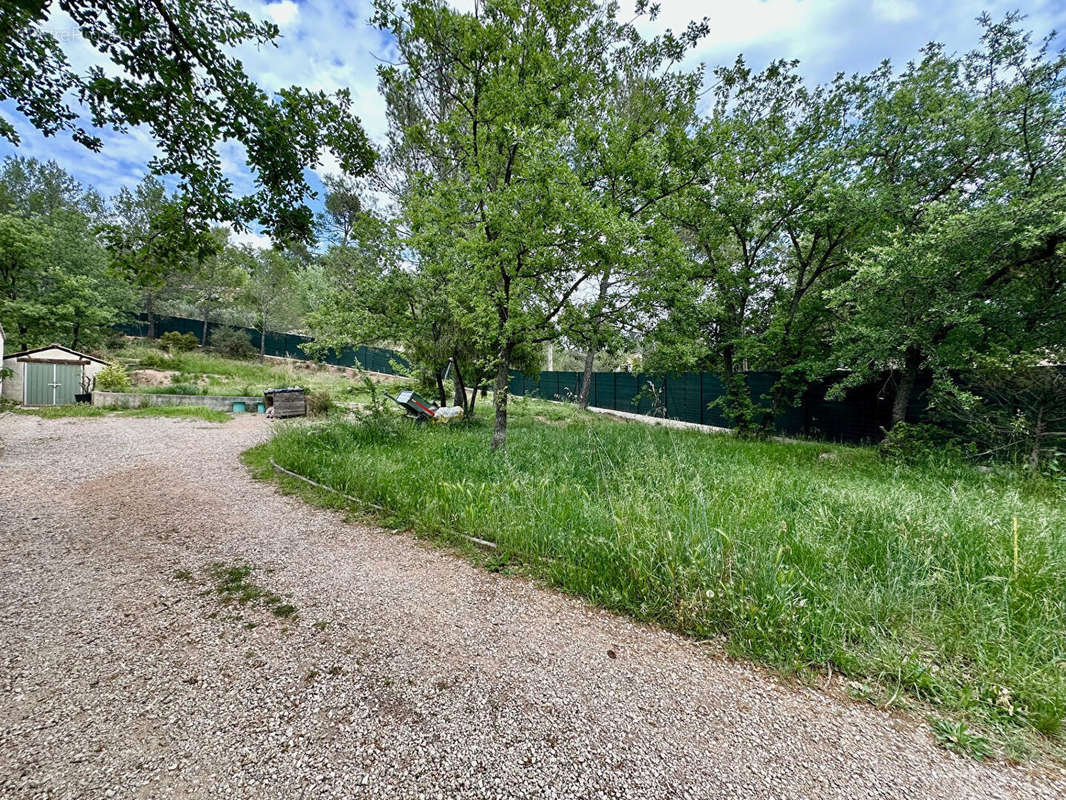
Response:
column 152, row 377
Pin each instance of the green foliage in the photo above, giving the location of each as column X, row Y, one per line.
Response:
column 205, row 372
column 181, row 49
column 175, row 342
column 1012, row 410
column 55, row 281
column 319, row 403
column 154, row 240
column 490, row 129
column 268, row 293
column 174, row 388
column 233, row 585
column 912, row 442
column 232, row 343
column 112, row 378
column 154, row 359
column 904, row 576
column 960, row 738
column 967, row 237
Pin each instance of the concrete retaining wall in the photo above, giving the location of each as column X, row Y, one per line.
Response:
column 132, row 400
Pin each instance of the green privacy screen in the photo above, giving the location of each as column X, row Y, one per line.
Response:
column 689, row 397
column 285, row 345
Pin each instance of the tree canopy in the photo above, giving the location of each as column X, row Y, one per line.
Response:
column 173, row 71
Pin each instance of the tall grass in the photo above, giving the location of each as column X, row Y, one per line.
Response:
column 802, row 555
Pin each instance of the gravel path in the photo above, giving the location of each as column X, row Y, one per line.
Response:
column 408, row 673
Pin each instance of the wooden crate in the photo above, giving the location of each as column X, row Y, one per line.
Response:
column 286, row 402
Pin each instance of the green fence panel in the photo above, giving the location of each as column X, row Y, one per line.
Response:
column 859, row 416
column 683, row 396
column 711, row 391
column 285, row 345
column 602, row 391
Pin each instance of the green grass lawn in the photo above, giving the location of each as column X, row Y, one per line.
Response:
column 909, row 580
column 203, row 372
column 82, row 411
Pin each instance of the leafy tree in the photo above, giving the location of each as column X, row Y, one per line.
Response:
column 484, row 112
column 39, row 188
column 343, row 209
column 763, row 226
column 632, row 152
column 151, row 241
column 371, row 296
column 1013, row 409
column 22, row 243
column 965, row 162
column 219, row 278
column 55, row 278
column 173, row 71
column 269, row 291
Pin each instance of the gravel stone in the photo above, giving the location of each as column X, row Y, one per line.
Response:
column 425, row 677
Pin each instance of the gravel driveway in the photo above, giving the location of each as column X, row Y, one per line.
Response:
column 406, row 673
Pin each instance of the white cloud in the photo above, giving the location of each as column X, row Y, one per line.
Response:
column 895, row 10
column 257, row 240
column 282, row 13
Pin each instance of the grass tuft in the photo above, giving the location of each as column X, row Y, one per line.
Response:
column 178, row 412
column 62, row 412
column 959, row 738
column 82, row 411
column 233, row 584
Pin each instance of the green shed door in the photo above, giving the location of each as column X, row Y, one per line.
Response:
column 52, row 384
column 68, row 383
column 39, row 384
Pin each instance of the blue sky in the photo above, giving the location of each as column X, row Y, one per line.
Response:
column 330, row 46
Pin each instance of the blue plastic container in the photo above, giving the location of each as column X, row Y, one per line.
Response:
column 261, row 408
column 238, row 406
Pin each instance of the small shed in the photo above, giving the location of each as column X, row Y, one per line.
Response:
column 48, row 376
column 288, row 402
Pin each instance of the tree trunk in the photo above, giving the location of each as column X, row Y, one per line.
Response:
column 911, row 362
column 441, row 392
column 262, row 342
column 460, row 398
column 499, row 399
column 1038, row 438
column 597, row 323
column 75, row 335
column 148, row 298
column 203, row 336
column 586, row 379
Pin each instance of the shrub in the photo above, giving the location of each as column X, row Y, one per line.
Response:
column 175, row 342
column 155, row 360
column 176, row 388
column 232, row 342
column 112, row 378
column 912, row 442
column 319, row 403
column 114, row 339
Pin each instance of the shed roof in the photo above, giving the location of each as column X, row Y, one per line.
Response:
column 53, row 347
